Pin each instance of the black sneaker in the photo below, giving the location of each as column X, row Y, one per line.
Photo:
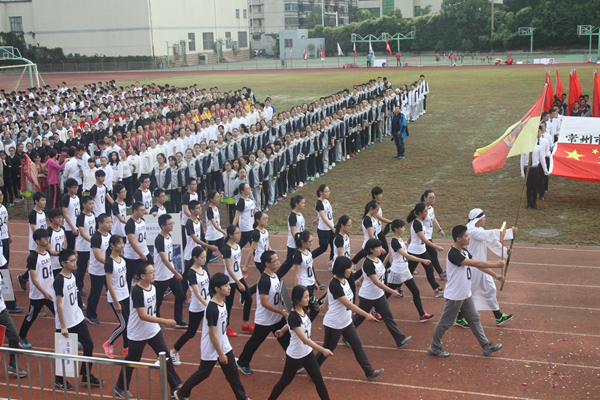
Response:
column 22, row 282
column 504, row 318
column 167, row 292
column 61, row 383
column 462, row 323
column 181, row 325
column 375, row 374
column 93, row 380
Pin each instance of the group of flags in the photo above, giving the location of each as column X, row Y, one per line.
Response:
column 341, row 53
column 576, row 152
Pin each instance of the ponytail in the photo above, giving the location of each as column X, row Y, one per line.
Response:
column 300, row 237
column 370, row 205
column 344, row 219
column 419, row 207
column 321, row 189
column 376, row 191
column 392, row 226
column 294, row 201
column 427, row 193
column 257, row 216
column 114, row 239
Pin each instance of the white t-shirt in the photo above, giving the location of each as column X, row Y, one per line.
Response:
column 297, row 349
column 119, row 278
column 458, row 286
column 138, row 229
column 428, row 222
column 99, row 241
column 138, row 329
column 337, row 315
column 270, row 286
column 3, row 221
column 211, row 232
column 246, row 220
column 262, row 243
column 215, row 315
column 73, row 207
column 307, row 272
column 88, row 223
column 416, row 245
column 235, row 258
column 324, row 206
column 372, row 270
column 296, row 220
column 162, row 245
column 67, row 288
column 39, row 220
column 57, row 243
column 399, row 272
column 202, row 280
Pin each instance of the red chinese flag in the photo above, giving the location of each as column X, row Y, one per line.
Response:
column 571, row 100
column 576, row 154
column 577, row 85
column 596, row 98
column 559, row 86
column 549, row 100
column 388, row 48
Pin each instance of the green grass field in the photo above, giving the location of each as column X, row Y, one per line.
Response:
column 466, row 109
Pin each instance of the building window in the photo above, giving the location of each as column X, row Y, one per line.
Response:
column 259, row 9
column 417, row 11
column 16, row 24
column 245, row 14
column 292, row 22
column 288, row 43
column 192, row 41
column 208, row 41
column 304, row 8
column 290, row 7
column 228, row 36
column 260, row 22
column 242, row 40
column 237, row 13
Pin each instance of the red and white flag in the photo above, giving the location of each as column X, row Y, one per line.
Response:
column 322, row 53
column 354, row 43
column 304, row 56
column 290, row 52
column 388, row 48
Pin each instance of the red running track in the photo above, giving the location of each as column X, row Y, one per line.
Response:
column 551, row 348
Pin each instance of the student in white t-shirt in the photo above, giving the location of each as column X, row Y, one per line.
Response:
column 300, row 350
column 458, row 293
column 117, row 293
column 214, row 332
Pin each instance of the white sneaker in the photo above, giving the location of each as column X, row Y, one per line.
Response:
column 332, row 165
column 317, row 175
column 175, row 358
column 348, row 157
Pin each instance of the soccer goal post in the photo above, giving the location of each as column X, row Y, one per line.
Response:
column 19, row 70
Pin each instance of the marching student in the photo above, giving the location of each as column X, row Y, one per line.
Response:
column 69, row 318
column 71, row 208
column 100, row 194
column 399, row 271
column 417, row 245
column 260, row 242
column 270, row 316
column 300, row 349
column 232, row 258
column 338, row 318
column 143, row 328
column 324, row 222
column 377, row 194
column 136, row 248
column 99, row 245
column 118, row 210
column 304, row 270
column 11, row 333
column 214, row 345
column 429, row 222
column 198, row 278
column 244, row 210
column 159, row 208
column 369, row 227
column 56, row 238
column 483, row 288
column 372, row 293
column 143, row 194
column 37, row 220
column 166, row 276
column 458, row 293
column 214, row 233
column 296, row 224
column 117, row 293
column 5, row 235
column 41, row 292
column 341, row 241
column 189, row 195
column 86, row 223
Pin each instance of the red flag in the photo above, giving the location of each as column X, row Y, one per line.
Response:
column 559, row 86
column 388, row 48
column 576, row 153
column 549, row 101
column 304, row 55
column 322, row 53
column 354, row 49
column 577, row 85
column 596, row 98
column 571, row 100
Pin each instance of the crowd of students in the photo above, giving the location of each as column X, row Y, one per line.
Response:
column 89, row 233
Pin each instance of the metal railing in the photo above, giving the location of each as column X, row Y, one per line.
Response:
column 37, row 392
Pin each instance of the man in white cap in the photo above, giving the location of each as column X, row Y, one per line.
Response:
column 483, row 287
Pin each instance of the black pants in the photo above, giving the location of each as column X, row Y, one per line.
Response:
column 9, row 304
column 287, row 264
column 193, row 324
column 534, row 184
column 180, row 296
column 176, row 200
column 433, row 256
column 261, row 332
column 230, row 371
column 412, row 265
column 136, row 349
column 70, row 240
column 6, row 249
column 127, row 184
column 132, row 267
column 83, row 337
column 292, row 365
column 123, row 317
column 35, row 306
column 214, row 182
column 219, row 243
column 325, row 239
column 414, row 289
column 245, row 239
column 11, row 334
column 311, row 165
column 8, row 190
column 330, row 342
column 282, row 183
column 382, row 307
column 545, row 178
column 246, row 298
column 424, row 102
column 83, row 259
column 98, row 283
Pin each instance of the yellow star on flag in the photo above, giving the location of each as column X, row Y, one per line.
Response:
column 574, row 154
column 595, row 151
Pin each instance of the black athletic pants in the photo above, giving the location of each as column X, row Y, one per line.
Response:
column 412, row 265
column 246, row 299
column 219, row 243
column 35, row 306
column 325, row 239
column 287, row 264
column 136, row 349
column 230, row 371
column 245, row 239
column 433, row 256
column 412, row 286
column 261, row 332
column 534, row 185
column 83, row 337
column 383, row 308
column 83, row 259
column 70, row 240
column 330, row 342
column 193, row 324
column 132, row 267
column 292, row 365
column 123, row 317
column 98, row 283
column 180, row 296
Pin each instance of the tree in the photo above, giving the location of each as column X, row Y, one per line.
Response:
column 364, row 15
column 467, row 44
column 397, row 13
column 424, row 10
column 352, row 11
column 314, row 18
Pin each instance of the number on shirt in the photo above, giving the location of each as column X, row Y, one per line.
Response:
column 236, row 266
column 58, row 247
column 141, row 237
column 121, row 281
column 203, row 293
column 276, row 299
column 150, row 311
column 90, row 231
column 309, row 272
column 170, row 256
column 72, row 298
column 469, row 273
column 307, row 333
column 101, row 199
column 224, row 327
column 76, row 212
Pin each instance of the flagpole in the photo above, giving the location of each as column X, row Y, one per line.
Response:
column 512, row 242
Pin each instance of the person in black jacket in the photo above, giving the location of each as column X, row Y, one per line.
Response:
column 7, row 174
column 15, row 161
